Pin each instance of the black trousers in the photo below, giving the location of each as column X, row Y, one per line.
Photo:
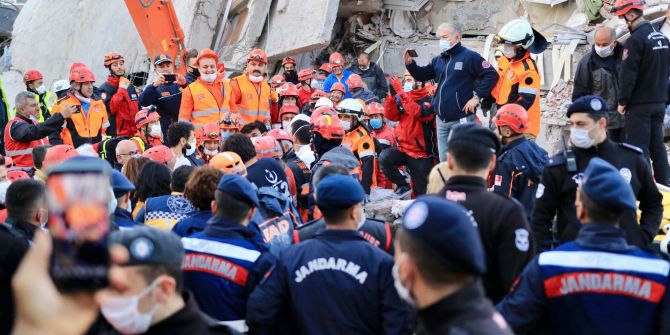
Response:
column 419, row 169
column 644, row 129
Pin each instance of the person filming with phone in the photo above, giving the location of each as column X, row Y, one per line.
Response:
column 164, row 92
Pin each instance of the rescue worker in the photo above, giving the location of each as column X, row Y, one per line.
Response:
column 149, row 130
column 339, row 75
column 229, row 162
column 24, row 133
column 599, row 283
column 161, row 155
column 556, row 194
column 519, row 77
column 165, row 211
column 384, row 134
column 268, row 169
column 165, row 95
column 121, row 98
column 122, row 217
column 199, row 191
column 355, row 84
column 251, row 93
column 350, row 275
column 286, row 114
column 321, row 75
column 4, row 113
column 230, row 124
column 438, row 262
column 222, row 292
column 288, row 96
column 644, row 81
column 35, row 84
column 301, row 142
column 305, row 89
column 276, row 82
column 299, row 170
column 501, row 221
column 412, row 109
column 520, row 163
column 289, row 72
column 358, row 139
column 308, row 108
column 209, row 141
column 88, row 123
column 208, row 98
column 337, row 93
column 60, row 89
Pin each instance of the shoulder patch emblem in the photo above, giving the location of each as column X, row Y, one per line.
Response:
column 486, row 64
column 201, row 96
column 510, row 75
column 540, row 191
column 521, row 239
column 626, row 174
column 103, row 95
column 625, row 54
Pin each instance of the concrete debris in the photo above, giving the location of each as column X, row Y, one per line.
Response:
column 404, row 5
column 554, row 107
column 403, row 23
column 389, row 211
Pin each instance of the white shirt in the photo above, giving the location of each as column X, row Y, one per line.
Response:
column 181, row 161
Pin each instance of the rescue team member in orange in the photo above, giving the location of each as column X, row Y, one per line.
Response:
column 23, row 133
column 207, row 99
column 89, row 122
column 120, row 96
column 251, row 93
column 358, row 140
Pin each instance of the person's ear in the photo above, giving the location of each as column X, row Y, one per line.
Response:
column 252, row 211
column 214, row 207
column 579, row 206
column 451, row 166
column 165, row 289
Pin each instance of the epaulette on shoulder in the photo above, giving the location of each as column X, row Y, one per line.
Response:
column 631, row 147
column 556, row 160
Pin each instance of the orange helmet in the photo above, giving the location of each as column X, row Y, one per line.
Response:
column 305, row 74
column 76, row 65
column 32, row 75
column 17, row 174
column 267, row 146
column 228, row 162
column 59, row 153
column 288, row 89
column 337, row 87
column 280, row 134
column 210, row 132
column 323, row 110
column 326, row 67
column 288, row 60
column 277, row 81
column 375, row 108
column 336, row 59
column 146, row 115
column 82, row 75
column 316, row 95
column 206, row 53
column 112, row 58
column 159, row 154
column 289, row 109
column 329, row 126
column 621, row 7
column 229, row 121
column 258, row 55
column 354, row 81
column 513, row 116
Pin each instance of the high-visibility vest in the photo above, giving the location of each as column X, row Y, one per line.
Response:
column 205, row 107
column 254, row 104
column 20, row 152
column 82, row 127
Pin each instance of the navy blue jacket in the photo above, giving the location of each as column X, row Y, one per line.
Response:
column 192, row 224
column 123, row 219
column 167, row 98
column 335, row 283
column 456, row 72
column 598, row 284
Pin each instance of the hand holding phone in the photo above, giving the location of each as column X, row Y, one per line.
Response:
column 170, row 78
column 412, row 53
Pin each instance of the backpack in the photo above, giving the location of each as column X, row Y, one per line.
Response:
column 275, row 219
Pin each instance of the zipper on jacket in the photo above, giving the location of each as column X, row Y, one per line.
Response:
column 458, row 104
column 446, row 76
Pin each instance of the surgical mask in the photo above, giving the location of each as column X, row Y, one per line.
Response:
column 375, row 123
column 509, row 51
column 210, row 152
column 191, row 148
column 123, row 314
column 346, row 125
column 129, row 206
column 112, row 204
column 41, row 89
column 408, row 86
column 255, row 79
column 286, row 125
column 208, row 78
column 155, row 131
column 445, row 44
column 225, row 135
column 603, row 52
column 34, row 118
column 403, row 292
column 44, row 220
column 361, row 222
column 580, row 138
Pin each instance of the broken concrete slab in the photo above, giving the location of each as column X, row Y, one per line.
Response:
column 249, row 23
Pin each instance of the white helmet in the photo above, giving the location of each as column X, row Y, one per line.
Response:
column 323, row 101
column 60, row 85
column 518, row 32
column 350, row 106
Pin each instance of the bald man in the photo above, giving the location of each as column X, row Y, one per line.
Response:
column 125, row 150
column 598, row 74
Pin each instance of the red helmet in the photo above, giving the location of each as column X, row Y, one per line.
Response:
column 288, row 89
column 159, row 154
column 288, row 60
column 32, row 75
column 293, row 109
column 59, row 153
column 267, row 146
column 17, row 174
column 326, row 67
column 112, row 58
column 316, row 95
column 375, row 108
column 280, row 134
column 513, row 116
column 210, row 132
column 621, row 7
column 82, row 75
column 323, row 110
column 146, row 115
column 337, row 87
column 354, row 81
column 336, row 59
column 277, row 81
column 229, row 162
column 305, row 74
column 207, row 53
column 258, row 55
column 329, row 126
column 76, row 65
column 229, row 121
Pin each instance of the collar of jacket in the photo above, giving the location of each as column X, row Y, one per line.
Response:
column 456, row 49
column 603, row 237
column 24, row 118
column 189, row 317
column 513, row 144
column 617, row 54
column 472, row 181
column 644, row 23
column 418, row 93
column 340, row 234
column 24, row 228
column 123, row 214
column 219, row 227
column 469, row 299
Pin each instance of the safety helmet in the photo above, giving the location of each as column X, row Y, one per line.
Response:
column 323, row 110
column 159, row 154
column 329, row 126
column 277, row 81
column 354, row 81
column 206, row 53
column 228, row 162
column 316, row 95
column 513, row 116
column 288, row 109
column 82, row 75
column 323, row 101
column 58, row 153
column 267, row 147
column 519, row 32
column 288, row 89
column 338, row 87
column 146, row 115
column 351, row 107
column 305, row 74
column 375, row 108
column 76, row 65
column 229, row 121
column 288, row 60
column 326, row 67
column 210, row 132
column 17, row 174
column 258, row 55
column 336, row 59
column 622, row 7
column 280, row 134
column 112, row 58
column 32, row 75
column 60, row 85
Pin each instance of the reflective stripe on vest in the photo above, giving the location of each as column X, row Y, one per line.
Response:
column 20, row 152
column 253, row 115
column 13, row 153
column 205, row 107
column 252, row 106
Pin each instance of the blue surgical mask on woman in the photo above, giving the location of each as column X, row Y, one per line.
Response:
column 376, row 124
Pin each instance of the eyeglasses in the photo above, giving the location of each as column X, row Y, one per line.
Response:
column 132, row 153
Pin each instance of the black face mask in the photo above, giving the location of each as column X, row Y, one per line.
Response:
column 194, row 71
column 291, row 76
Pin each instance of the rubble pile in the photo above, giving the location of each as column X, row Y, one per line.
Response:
column 554, row 107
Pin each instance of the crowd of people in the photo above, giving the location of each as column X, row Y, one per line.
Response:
column 237, row 203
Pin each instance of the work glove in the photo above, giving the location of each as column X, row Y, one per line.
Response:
column 396, row 84
column 124, row 83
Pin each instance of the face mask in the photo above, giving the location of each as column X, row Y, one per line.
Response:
column 580, row 138
column 123, row 314
column 408, row 86
column 112, row 204
column 375, row 123
column 155, row 131
column 210, row 152
column 191, row 148
column 286, row 125
column 208, row 77
column 225, row 135
column 509, row 52
column 364, row 68
column 34, row 118
column 41, row 89
column 255, row 79
column 403, row 292
column 445, row 44
column 129, row 207
column 346, row 125
column 361, row 222
column 603, row 52
column 195, row 72
column 44, row 219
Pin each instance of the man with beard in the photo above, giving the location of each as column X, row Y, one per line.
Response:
column 120, row 97
column 251, row 92
column 290, row 73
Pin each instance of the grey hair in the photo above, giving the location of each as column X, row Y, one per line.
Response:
column 20, row 100
column 455, row 27
column 612, row 31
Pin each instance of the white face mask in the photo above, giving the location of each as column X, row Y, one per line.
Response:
column 403, row 292
column 361, row 222
column 445, row 44
column 210, row 152
column 155, row 131
column 44, row 219
column 346, row 125
column 41, row 89
column 112, row 204
column 191, row 150
column 580, row 138
column 34, row 118
column 123, row 314
column 286, row 125
column 408, row 86
column 509, row 51
column 208, row 78
column 129, row 206
column 603, row 52
column 255, row 79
